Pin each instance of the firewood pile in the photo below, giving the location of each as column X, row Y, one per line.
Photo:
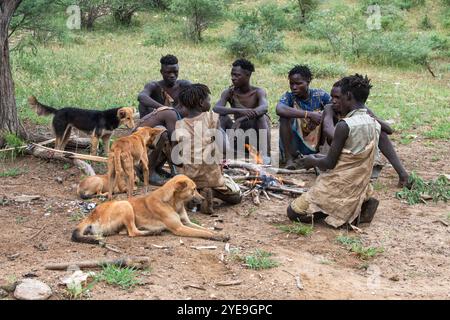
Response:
column 257, row 180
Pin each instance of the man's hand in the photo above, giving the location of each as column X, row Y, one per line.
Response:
column 249, row 113
column 306, row 162
column 237, row 122
column 315, row 117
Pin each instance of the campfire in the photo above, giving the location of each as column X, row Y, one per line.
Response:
column 257, row 179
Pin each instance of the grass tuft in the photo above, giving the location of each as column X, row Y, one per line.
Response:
column 124, row 278
column 260, row 259
column 355, row 245
column 297, row 228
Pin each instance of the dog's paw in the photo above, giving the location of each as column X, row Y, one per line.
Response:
column 220, row 237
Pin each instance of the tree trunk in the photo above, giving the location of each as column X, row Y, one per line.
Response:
column 9, row 122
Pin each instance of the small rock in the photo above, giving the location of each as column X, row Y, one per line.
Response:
column 25, row 198
column 30, row 275
column 30, row 289
column 41, row 247
column 59, row 180
column 8, row 286
column 394, row 278
column 13, row 257
column 3, row 294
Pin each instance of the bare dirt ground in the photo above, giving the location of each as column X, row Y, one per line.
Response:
column 415, row 263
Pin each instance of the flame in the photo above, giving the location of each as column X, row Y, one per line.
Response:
column 254, row 153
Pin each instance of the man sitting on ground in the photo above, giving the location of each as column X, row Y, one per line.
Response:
column 248, row 104
column 300, row 116
column 342, row 194
column 157, row 94
column 331, row 117
column 202, row 152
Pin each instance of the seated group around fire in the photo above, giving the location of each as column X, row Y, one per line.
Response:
column 197, row 139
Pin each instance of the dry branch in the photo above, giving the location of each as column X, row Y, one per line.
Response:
column 138, row 262
column 48, row 153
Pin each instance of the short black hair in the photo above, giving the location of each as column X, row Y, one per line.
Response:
column 302, row 70
column 192, row 95
column 244, row 64
column 337, row 83
column 358, row 85
column 168, row 60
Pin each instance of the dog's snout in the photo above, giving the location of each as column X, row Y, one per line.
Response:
column 197, row 198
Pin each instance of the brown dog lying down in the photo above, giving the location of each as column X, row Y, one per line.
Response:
column 127, row 152
column 162, row 209
column 98, row 186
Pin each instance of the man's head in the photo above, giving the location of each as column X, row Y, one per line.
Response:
column 241, row 72
column 196, row 96
column 350, row 91
column 299, row 79
column 169, row 69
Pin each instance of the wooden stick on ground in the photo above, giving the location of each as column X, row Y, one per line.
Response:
column 48, row 153
column 138, row 262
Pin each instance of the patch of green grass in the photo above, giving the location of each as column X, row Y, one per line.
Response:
column 21, row 219
column 297, row 228
column 439, row 131
column 435, row 158
column 66, row 166
column 124, row 278
column 421, row 190
column 407, row 138
column 13, row 172
column 12, row 141
column 77, row 216
column 79, row 290
column 260, row 259
column 195, row 221
column 378, row 186
column 355, row 245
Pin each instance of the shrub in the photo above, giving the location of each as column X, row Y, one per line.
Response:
column 306, row 7
column 123, row 10
column 318, row 69
column 394, row 49
column 258, row 32
column 200, row 14
column 425, row 23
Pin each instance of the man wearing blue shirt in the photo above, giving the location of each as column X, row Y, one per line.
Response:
column 300, row 114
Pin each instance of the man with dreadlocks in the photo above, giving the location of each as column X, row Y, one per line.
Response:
column 300, row 116
column 163, row 93
column 201, row 145
column 248, row 105
column 330, row 118
column 348, row 163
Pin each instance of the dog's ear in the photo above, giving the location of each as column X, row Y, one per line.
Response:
column 122, row 114
column 180, row 186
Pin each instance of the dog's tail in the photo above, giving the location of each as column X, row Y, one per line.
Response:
column 41, row 109
column 78, row 236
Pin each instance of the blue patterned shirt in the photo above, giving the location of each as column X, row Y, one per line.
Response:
column 318, row 98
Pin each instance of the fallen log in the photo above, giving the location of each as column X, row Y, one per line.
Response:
column 136, row 262
column 47, row 153
column 74, row 142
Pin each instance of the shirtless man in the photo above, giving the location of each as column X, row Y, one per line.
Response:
column 248, row 104
column 157, row 94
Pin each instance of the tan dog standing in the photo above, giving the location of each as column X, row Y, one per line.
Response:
column 130, row 151
column 162, row 209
